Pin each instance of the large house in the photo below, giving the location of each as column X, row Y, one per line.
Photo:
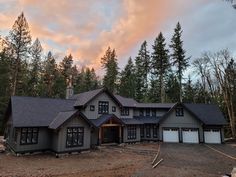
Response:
column 92, row 118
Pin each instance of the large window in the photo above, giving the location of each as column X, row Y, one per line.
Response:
column 179, row 111
column 75, row 136
column 148, row 131
column 131, row 132
column 103, row 107
column 29, row 136
column 125, row 111
column 142, row 131
column 154, row 131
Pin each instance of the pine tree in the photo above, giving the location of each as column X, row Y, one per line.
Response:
column 66, row 66
column 142, row 65
column 35, row 68
column 171, row 87
column 189, row 92
column 178, row 56
column 48, row 76
column 20, row 40
column 160, row 67
column 127, row 80
column 109, row 63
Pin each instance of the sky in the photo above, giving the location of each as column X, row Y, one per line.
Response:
column 85, row 28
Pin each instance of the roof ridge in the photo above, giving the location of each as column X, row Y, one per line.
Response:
column 46, row 98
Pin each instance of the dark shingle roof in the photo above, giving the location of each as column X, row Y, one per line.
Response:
column 34, row 111
column 147, row 120
column 61, row 118
column 104, row 118
column 155, row 105
column 85, row 97
column 208, row 114
column 126, row 102
column 131, row 121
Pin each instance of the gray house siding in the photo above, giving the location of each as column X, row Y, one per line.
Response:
column 186, row 121
column 101, row 97
column 44, row 139
column 62, row 135
column 125, row 135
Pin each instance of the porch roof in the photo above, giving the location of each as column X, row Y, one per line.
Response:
column 104, row 118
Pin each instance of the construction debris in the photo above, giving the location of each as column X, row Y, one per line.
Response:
column 158, row 152
column 154, row 166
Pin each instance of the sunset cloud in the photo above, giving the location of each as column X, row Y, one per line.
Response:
column 87, row 28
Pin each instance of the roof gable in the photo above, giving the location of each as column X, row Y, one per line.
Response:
column 84, row 98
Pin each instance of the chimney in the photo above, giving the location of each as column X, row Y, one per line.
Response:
column 69, row 88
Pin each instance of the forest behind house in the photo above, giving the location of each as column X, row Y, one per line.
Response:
column 156, row 75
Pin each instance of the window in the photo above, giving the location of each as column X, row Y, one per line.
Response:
column 147, row 112
column 141, row 112
column 125, row 111
column 142, row 131
column 75, row 136
column 92, row 107
column 15, row 135
column 154, row 114
column 154, row 131
column 179, row 112
column 103, row 107
column 29, row 136
column 113, row 109
column 148, row 131
column 131, row 132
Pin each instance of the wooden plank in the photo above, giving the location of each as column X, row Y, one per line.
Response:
column 111, row 125
column 154, row 166
column 158, row 152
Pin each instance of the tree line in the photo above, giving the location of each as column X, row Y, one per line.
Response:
column 152, row 76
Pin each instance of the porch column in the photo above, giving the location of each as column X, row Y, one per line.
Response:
column 120, row 134
column 100, row 136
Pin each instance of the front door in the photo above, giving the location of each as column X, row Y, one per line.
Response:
column 110, row 135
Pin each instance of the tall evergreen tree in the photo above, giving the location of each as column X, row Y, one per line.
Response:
column 142, row 65
column 109, row 63
column 189, row 92
column 35, row 68
column 178, row 56
column 127, row 80
column 20, row 40
column 160, row 67
column 171, row 87
column 66, row 66
column 48, row 76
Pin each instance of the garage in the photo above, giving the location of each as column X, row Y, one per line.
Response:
column 190, row 135
column 212, row 136
column 171, row 135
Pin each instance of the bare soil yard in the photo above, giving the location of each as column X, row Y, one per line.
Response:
column 180, row 160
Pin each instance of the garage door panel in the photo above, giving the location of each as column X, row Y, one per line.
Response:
column 212, row 136
column 190, row 136
column 171, row 135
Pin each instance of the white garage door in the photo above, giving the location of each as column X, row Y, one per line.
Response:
column 190, row 135
column 212, row 136
column 171, row 135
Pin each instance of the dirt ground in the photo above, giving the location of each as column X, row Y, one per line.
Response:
column 180, row 160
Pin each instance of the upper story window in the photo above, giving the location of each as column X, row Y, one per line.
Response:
column 179, row 112
column 92, row 107
column 154, row 114
column 29, row 136
column 125, row 111
column 141, row 112
column 103, row 107
column 147, row 112
column 113, row 109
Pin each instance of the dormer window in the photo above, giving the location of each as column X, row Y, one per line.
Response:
column 147, row 112
column 103, row 107
column 179, row 112
column 125, row 111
